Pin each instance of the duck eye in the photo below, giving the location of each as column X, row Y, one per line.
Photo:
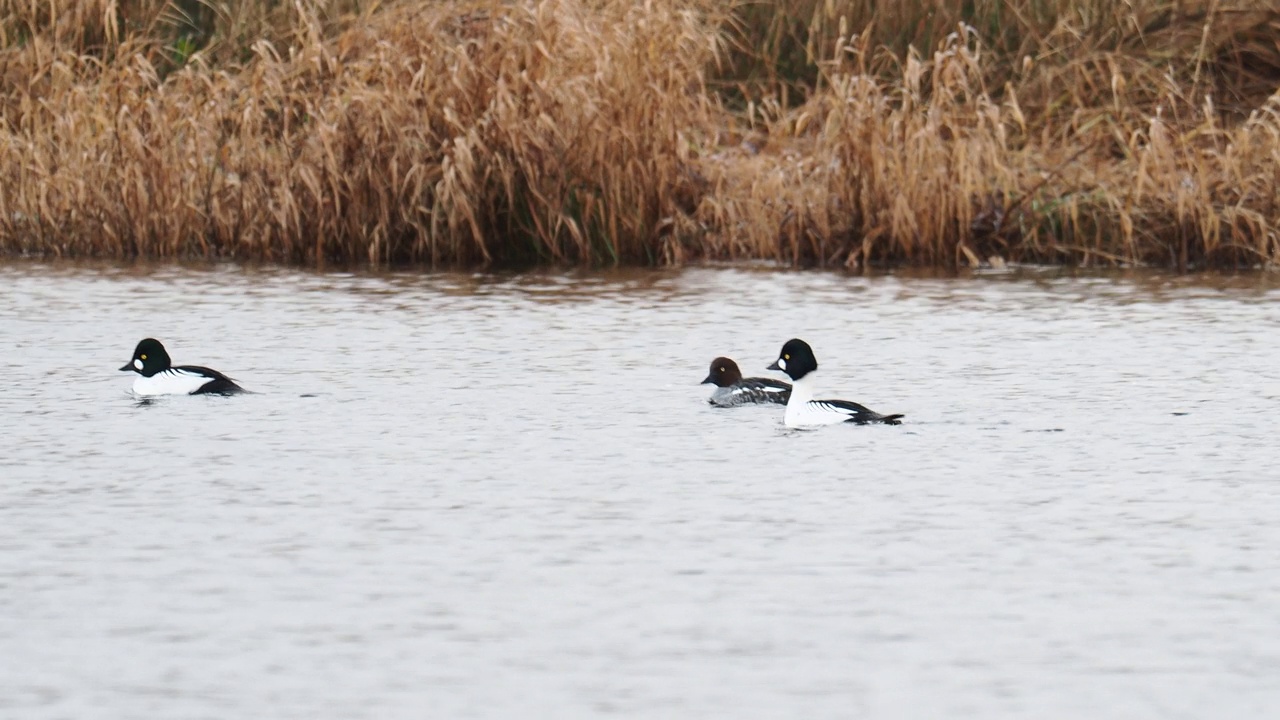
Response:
column 144, row 357
column 721, row 369
column 786, row 356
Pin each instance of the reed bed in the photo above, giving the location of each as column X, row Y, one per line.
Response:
column 840, row 132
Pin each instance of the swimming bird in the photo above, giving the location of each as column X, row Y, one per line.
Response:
column 732, row 389
column 157, row 376
column 798, row 362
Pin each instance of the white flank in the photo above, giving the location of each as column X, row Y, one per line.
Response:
column 169, row 382
column 723, row 397
column 801, row 413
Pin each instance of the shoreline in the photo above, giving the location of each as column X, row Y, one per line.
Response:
column 1154, row 277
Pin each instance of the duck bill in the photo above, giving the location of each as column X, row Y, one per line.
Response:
column 774, row 366
column 709, row 381
column 127, row 367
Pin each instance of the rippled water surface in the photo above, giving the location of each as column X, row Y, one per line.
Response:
column 470, row 496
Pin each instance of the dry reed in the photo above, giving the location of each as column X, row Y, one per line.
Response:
column 839, row 132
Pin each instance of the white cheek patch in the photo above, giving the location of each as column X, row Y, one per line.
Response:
column 137, row 363
column 782, row 364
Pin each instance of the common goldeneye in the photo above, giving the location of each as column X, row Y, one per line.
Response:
column 732, row 389
column 797, row 361
column 156, row 376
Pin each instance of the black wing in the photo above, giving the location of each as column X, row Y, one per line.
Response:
column 218, row 384
column 763, row 390
column 860, row 414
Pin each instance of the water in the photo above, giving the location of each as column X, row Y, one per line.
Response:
column 469, row 496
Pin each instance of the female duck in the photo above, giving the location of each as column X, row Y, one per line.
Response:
column 732, row 389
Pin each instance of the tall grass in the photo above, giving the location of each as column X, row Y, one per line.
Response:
column 1084, row 132
column 450, row 132
column 833, row 132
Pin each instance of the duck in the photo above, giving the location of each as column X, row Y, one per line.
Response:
column 797, row 360
column 733, row 390
column 158, row 376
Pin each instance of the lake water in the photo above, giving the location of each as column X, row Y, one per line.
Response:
column 504, row 496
